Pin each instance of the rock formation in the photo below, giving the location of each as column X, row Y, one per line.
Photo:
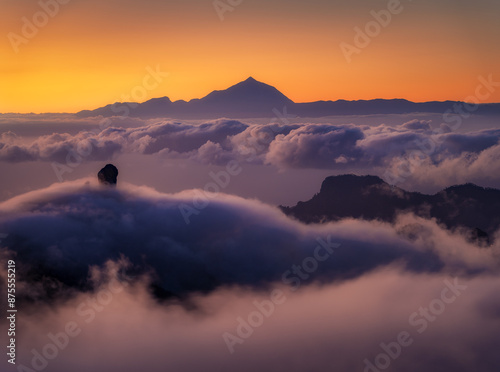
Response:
column 108, row 175
column 369, row 197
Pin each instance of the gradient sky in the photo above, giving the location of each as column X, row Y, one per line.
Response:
column 93, row 52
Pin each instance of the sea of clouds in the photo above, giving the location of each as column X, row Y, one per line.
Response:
column 119, row 279
column 336, row 296
column 431, row 154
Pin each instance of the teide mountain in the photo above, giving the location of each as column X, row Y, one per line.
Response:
column 369, row 197
column 249, row 98
column 252, row 99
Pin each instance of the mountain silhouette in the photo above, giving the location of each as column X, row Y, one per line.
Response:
column 248, row 92
column 249, row 98
column 253, row 99
column 468, row 206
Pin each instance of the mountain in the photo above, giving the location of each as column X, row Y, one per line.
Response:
column 252, row 99
column 369, row 197
column 249, row 98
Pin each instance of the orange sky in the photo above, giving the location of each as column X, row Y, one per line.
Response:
column 92, row 52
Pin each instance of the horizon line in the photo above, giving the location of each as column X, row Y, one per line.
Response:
column 250, row 78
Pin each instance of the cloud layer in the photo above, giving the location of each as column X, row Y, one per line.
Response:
column 332, row 327
column 68, row 227
column 412, row 149
column 74, row 243
column 136, row 287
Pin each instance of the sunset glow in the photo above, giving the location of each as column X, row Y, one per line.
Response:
column 91, row 53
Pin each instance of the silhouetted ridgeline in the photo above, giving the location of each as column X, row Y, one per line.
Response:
column 252, row 99
column 370, row 198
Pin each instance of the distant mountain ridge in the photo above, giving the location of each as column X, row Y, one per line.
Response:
column 252, row 99
column 369, row 197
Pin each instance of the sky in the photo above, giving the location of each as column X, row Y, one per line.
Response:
column 86, row 54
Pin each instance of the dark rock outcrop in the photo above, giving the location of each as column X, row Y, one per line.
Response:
column 368, row 197
column 108, row 175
